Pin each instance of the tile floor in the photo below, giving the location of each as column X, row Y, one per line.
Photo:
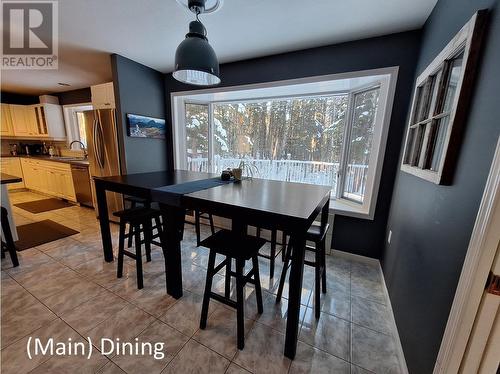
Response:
column 64, row 290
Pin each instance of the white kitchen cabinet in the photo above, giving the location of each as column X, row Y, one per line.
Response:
column 103, row 96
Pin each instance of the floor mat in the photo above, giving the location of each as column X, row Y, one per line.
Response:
column 38, row 233
column 40, row 206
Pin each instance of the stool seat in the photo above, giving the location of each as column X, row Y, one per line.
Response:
column 228, row 244
column 315, row 233
column 136, row 214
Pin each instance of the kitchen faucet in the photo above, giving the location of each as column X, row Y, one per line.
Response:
column 82, row 146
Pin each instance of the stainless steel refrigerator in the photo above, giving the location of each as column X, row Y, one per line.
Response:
column 103, row 151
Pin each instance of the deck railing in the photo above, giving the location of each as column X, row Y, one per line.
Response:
column 313, row 172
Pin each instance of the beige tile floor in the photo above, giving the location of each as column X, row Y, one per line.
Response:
column 64, row 289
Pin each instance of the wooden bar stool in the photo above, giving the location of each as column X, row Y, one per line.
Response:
column 316, row 234
column 7, row 239
column 136, row 202
column 241, row 249
column 272, row 255
column 139, row 219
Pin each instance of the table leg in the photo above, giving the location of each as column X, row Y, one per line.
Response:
column 102, row 209
column 294, row 294
column 171, row 244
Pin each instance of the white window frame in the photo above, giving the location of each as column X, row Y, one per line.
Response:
column 338, row 205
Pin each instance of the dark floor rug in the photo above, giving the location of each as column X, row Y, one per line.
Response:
column 40, row 206
column 38, row 233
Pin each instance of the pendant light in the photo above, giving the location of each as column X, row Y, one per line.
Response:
column 195, row 60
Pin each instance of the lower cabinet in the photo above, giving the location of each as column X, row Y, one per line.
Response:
column 12, row 166
column 53, row 178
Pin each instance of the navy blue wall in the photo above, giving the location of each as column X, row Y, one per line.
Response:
column 16, row 98
column 138, row 90
column 431, row 225
column 358, row 236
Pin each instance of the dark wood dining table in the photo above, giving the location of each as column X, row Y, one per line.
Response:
column 290, row 207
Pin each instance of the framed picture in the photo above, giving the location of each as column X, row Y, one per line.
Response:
column 145, row 127
column 440, row 106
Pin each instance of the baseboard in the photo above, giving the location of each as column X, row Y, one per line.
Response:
column 373, row 261
column 367, row 260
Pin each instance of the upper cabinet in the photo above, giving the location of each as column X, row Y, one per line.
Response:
column 6, row 128
column 33, row 121
column 103, row 96
column 23, row 120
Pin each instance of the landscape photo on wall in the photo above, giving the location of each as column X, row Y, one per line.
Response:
column 145, row 127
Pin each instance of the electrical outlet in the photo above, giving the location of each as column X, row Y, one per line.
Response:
column 389, row 237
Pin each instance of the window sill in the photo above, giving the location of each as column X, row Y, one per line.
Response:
column 348, row 208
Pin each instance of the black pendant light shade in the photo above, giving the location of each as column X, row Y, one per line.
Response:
column 195, row 60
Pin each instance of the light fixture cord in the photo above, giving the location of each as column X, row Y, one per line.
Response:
column 198, row 19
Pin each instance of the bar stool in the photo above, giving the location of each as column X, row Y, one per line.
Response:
column 139, row 219
column 241, row 249
column 7, row 239
column 272, row 255
column 316, row 234
column 136, row 202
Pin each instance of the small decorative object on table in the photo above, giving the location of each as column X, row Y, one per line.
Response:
column 226, row 175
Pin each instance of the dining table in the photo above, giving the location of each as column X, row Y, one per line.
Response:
column 269, row 204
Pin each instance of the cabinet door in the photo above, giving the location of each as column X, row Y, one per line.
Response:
column 20, row 120
column 28, row 174
column 67, row 187
column 103, row 96
column 6, row 121
column 12, row 166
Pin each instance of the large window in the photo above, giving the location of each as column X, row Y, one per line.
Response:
column 329, row 138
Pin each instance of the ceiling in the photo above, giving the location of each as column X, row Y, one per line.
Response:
column 148, row 31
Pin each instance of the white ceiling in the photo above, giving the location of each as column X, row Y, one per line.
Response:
column 148, row 31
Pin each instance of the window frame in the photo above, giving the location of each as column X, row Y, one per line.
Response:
column 467, row 42
column 339, row 204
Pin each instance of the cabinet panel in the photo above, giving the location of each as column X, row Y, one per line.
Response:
column 12, row 166
column 20, row 120
column 103, row 96
column 6, row 128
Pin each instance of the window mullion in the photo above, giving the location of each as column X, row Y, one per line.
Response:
column 210, row 138
column 345, row 147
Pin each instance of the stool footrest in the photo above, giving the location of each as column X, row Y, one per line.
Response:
column 223, row 300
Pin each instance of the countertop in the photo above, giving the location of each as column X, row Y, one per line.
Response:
column 74, row 161
column 6, row 179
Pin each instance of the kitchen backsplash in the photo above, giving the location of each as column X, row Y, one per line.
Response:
column 61, row 147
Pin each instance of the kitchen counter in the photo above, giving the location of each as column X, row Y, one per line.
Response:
column 74, row 161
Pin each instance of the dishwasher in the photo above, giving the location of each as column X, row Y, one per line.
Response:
column 81, row 182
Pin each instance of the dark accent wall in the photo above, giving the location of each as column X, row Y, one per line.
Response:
column 79, row 96
column 431, row 225
column 16, row 98
column 360, row 236
column 139, row 90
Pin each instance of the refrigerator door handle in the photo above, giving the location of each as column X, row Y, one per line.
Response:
column 100, row 141
column 94, row 135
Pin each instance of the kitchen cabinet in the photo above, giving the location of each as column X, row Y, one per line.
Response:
column 53, row 178
column 33, row 121
column 12, row 166
column 103, row 96
column 6, row 128
column 23, row 120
